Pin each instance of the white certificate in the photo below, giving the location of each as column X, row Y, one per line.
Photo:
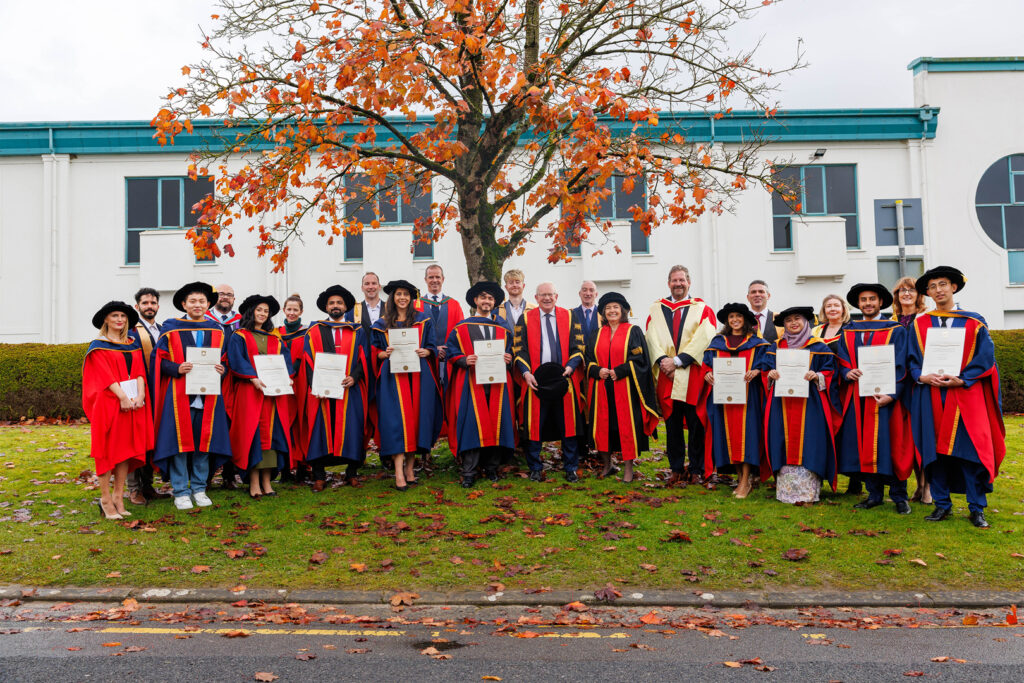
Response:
column 272, row 371
column 729, row 387
column 130, row 387
column 203, row 379
column 490, row 361
column 792, row 365
column 943, row 351
column 329, row 370
column 878, row 370
column 404, row 341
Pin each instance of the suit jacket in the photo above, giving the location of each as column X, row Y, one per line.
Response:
column 771, row 332
column 588, row 328
column 147, row 341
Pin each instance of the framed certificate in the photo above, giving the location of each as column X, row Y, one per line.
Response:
column 329, row 371
column 203, row 379
column 878, row 370
column 490, row 361
column 729, row 387
column 943, row 351
column 792, row 365
column 404, row 341
column 272, row 371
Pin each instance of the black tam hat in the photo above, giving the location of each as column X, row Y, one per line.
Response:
column 492, row 288
column 115, row 306
column 805, row 311
column 949, row 272
column 748, row 315
column 255, row 300
column 413, row 290
column 613, row 298
column 192, row 288
column 884, row 295
column 335, row 290
column 552, row 384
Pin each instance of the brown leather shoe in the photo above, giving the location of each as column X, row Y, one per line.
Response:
column 674, row 479
column 153, row 494
column 319, row 485
column 136, row 498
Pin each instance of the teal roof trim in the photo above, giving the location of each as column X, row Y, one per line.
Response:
column 806, row 125
column 966, row 64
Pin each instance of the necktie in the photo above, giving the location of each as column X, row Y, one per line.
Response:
column 337, row 338
column 677, row 319
column 760, row 322
column 586, row 316
column 199, row 337
column 867, row 338
column 944, row 321
column 223, row 317
column 487, row 332
column 435, row 311
column 556, row 352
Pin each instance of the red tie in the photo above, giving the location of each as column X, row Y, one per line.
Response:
column 337, row 338
column 677, row 318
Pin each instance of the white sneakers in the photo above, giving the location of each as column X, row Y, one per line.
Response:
column 202, row 500
column 183, row 502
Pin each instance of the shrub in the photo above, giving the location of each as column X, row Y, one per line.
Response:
column 41, row 380
column 1010, row 359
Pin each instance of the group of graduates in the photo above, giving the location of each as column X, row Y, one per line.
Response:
column 586, row 377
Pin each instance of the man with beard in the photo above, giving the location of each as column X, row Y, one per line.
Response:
column 147, row 331
column 223, row 312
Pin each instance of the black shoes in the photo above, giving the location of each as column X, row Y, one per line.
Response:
column 978, row 519
column 572, row 477
column 536, row 475
column 467, row 482
column 939, row 514
column 902, row 507
column 493, row 476
column 868, row 504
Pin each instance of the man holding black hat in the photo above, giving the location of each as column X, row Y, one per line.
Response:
column 873, row 442
column 955, row 404
column 190, row 429
column 334, row 425
column 479, row 412
column 548, row 350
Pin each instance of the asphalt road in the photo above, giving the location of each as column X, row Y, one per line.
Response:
column 63, row 642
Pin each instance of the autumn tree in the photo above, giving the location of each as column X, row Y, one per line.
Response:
column 512, row 114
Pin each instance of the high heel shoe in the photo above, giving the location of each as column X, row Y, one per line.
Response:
column 103, row 513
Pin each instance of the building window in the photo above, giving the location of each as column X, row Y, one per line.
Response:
column 889, row 270
column 160, row 203
column 999, row 202
column 392, row 207
column 820, row 191
column 616, row 206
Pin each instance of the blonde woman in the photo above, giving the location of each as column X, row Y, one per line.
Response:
column 907, row 302
column 833, row 314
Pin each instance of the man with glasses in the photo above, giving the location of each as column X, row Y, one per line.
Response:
column 956, row 412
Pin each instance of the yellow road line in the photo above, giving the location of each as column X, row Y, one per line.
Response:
column 254, row 631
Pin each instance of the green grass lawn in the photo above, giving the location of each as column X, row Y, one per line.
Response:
column 521, row 534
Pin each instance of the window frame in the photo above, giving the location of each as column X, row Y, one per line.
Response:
column 1013, row 254
column 823, row 173
column 183, row 211
column 613, row 208
column 399, row 208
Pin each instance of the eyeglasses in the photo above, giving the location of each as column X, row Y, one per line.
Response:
column 941, row 284
column 906, row 290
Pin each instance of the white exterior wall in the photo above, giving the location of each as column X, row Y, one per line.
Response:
column 62, row 232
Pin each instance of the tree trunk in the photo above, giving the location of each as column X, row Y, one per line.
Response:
column 484, row 256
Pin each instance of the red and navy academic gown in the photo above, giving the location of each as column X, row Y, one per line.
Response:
column 173, row 422
column 686, row 339
column 734, row 434
column 962, row 422
column 624, row 411
column 333, row 428
column 258, row 422
column 294, row 342
column 799, row 431
column 873, row 439
column 409, row 408
column 526, row 345
column 479, row 415
column 116, row 436
column 449, row 314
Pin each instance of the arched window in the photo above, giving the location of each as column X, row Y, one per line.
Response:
column 1000, row 205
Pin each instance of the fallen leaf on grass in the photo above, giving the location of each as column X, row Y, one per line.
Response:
column 264, row 677
column 795, row 554
column 1017, row 555
column 357, row 567
column 234, row 554
column 918, row 561
column 649, row 567
column 892, row 551
column 114, row 575
column 678, row 536
column 200, row 568
column 319, row 557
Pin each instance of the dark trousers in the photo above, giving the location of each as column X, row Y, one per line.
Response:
column 141, row 479
column 583, row 439
column 552, row 410
column 876, row 483
column 684, row 415
column 484, row 458
column 973, row 474
column 320, row 472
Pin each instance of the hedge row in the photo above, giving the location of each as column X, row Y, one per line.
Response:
column 46, row 380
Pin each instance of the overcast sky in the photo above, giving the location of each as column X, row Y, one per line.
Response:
column 112, row 59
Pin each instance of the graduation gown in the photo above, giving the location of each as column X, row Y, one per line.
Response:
column 688, row 341
column 294, row 343
column 333, row 428
column 115, row 436
column 479, row 415
column 624, row 411
column 526, row 346
column 360, row 315
column 258, row 422
column 734, row 434
column 873, row 439
column 173, row 421
column 961, row 422
column 799, row 431
column 408, row 403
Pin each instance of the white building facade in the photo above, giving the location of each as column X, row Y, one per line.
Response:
column 92, row 211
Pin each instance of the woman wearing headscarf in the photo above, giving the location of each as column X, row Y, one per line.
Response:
column 408, row 403
column 799, row 433
column 113, row 398
column 260, row 423
column 621, row 399
column 734, row 432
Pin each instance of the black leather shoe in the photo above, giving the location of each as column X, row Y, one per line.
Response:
column 467, row 483
column 571, row 477
column 938, row 514
column 978, row 519
column 902, row 507
column 868, row 504
column 493, row 476
column 536, row 475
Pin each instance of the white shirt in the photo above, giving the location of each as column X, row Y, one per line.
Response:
column 374, row 311
column 545, row 342
column 762, row 318
column 154, row 329
column 516, row 312
column 197, row 402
